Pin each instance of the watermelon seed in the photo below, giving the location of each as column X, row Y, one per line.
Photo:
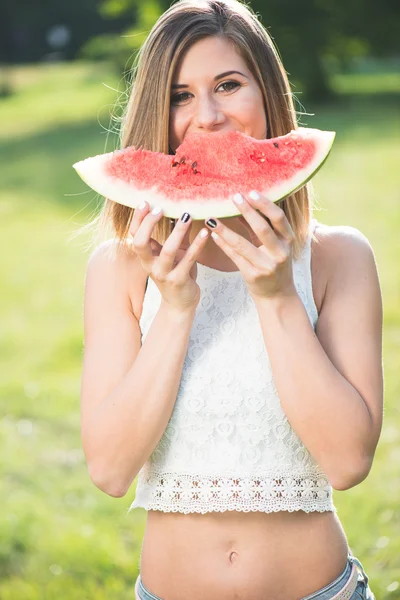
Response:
column 174, row 164
column 194, row 165
column 276, row 145
column 182, row 160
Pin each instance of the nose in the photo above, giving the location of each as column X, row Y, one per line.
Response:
column 208, row 113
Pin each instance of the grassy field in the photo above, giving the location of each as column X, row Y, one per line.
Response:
column 59, row 536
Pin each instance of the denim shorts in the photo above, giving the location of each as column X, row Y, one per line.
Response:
column 362, row 591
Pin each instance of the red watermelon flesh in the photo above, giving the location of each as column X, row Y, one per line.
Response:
column 207, row 170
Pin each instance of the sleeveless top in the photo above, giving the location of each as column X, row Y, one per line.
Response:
column 228, row 444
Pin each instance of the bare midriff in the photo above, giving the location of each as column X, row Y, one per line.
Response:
column 241, row 556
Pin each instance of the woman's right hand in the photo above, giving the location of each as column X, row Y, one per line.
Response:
column 171, row 268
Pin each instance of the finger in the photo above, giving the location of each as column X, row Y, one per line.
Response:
column 238, row 244
column 138, row 215
column 242, row 263
column 142, row 238
column 172, row 244
column 274, row 213
column 187, row 262
column 257, row 223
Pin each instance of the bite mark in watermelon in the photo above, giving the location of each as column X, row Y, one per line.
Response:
column 208, row 170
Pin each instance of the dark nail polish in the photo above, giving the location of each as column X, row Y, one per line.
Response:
column 185, row 217
column 211, row 223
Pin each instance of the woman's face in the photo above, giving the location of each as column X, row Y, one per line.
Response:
column 207, row 96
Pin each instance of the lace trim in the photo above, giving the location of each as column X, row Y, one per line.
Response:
column 190, row 493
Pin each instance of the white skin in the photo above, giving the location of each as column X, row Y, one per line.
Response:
column 234, row 102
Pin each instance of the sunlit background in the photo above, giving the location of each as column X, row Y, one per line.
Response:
column 64, row 71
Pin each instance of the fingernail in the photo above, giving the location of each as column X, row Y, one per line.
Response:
column 214, row 235
column 238, row 198
column 211, row 223
column 142, row 205
column 254, row 195
column 204, row 233
column 156, row 210
column 185, row 217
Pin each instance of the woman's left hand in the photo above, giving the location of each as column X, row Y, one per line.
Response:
column 267, row 269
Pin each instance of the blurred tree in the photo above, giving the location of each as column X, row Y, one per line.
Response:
column 25, row 27
column 5, row 52
column 121, row 49
column 48, row 30
column 314, row 37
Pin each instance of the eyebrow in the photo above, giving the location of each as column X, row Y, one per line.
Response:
column 179, row 86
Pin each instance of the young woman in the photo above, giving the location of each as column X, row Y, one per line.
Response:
column 240, row 375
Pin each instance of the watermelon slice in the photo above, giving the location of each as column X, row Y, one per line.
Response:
column 207, row 170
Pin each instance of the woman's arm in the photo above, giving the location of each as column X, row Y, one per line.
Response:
column 331, row 383
column 128, row 390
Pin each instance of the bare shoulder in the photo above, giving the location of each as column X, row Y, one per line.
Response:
column 340, row 253
column 337, row 246
column 117, row 265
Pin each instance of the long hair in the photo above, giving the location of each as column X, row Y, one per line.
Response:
column 145, row 119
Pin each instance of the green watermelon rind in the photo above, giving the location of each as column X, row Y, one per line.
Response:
column 123, row 193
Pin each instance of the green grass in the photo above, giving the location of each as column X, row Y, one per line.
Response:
column 59, row 536
column 367, row 83
column 51, row 96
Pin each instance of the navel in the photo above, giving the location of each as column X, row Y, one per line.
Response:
column 233, row 556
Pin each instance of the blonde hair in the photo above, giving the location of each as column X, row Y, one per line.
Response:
column 145, row 120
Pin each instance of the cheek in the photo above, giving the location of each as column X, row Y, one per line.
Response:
column 250, row 110
column 177, row 125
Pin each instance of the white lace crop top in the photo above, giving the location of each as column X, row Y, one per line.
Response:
column 228, row 444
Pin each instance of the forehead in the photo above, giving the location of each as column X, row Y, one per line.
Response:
column 207, row 58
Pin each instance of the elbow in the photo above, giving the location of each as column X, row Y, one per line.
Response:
column 101, row 479
column 114, row 492
column 349, row 478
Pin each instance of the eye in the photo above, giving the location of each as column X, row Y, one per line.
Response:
column 230, row 83
column 177, row 98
